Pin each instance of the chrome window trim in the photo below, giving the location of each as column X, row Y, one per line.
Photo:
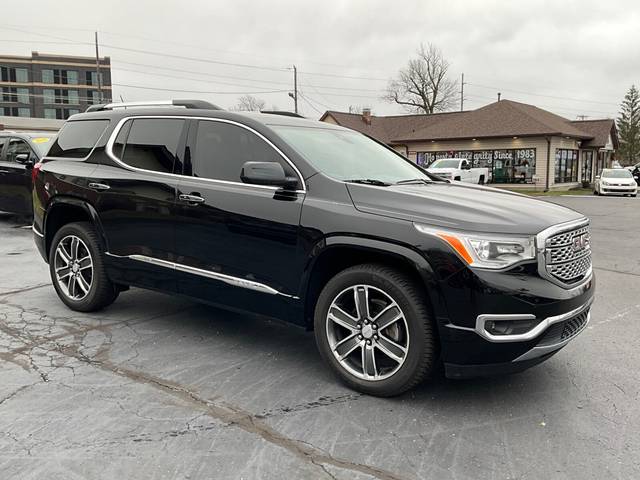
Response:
column 522, row 337
column 75, row 159
column 541, row 247
column 121, row 122
column 228, row 279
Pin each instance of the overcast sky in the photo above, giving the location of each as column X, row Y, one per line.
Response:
column 570, row 57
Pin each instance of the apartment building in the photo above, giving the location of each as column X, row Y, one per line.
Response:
column 52, row 86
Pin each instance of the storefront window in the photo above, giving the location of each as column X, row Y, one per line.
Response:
column 587, row 165
column 566, row 167
column 505, row 165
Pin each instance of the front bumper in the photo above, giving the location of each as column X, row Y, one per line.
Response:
column 559, row 314
column 618, row 190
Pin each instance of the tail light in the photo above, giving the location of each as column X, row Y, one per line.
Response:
column 35, row 170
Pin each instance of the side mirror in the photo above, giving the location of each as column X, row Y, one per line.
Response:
column 24, row 159
column 466, row 166
column 266, row 173
column 597, row 177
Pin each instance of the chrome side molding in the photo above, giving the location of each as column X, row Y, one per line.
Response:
column 228, row 279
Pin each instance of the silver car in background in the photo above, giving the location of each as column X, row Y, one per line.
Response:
column 615, row 181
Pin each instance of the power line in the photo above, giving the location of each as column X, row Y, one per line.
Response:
column 540, row 94
column 142, row 87
column 309, row 102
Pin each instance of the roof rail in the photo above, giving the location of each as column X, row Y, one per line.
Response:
column 198, row 104
column 282, row 112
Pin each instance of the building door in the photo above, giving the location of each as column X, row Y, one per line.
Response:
column 587, row 166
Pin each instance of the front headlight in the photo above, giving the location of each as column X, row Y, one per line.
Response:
column 486, row 250
column 606, row 184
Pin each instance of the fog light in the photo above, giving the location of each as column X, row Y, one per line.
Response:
column 510, row 327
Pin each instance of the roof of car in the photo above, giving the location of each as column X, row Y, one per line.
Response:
column 9, row 133
column 269, row 119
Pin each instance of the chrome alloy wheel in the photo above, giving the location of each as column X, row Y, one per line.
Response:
column 367, row 332
column 73, row 267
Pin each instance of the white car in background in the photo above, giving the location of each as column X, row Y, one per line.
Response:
column 458, row 169
column 615, row 181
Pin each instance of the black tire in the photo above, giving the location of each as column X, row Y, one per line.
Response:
column 595, row 192
column 101, row 292
column 421, row 347
column 481, row 180
column 457, row 179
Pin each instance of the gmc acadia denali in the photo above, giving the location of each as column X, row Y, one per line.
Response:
column 396, row 270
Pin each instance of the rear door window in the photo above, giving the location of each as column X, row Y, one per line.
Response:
column 77, row 139
column 151, row 144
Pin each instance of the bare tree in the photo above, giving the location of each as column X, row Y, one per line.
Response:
column 423, row 85
column 249, row 103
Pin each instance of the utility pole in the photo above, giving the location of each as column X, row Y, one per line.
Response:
column 499, row 95
column 462, row 94
column 100, row 96
column 294, row 95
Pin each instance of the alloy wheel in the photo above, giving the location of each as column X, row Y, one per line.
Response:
column 73, row 267
column 367, row 332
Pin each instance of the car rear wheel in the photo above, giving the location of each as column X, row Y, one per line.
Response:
column 77, row 269
column 374, row 329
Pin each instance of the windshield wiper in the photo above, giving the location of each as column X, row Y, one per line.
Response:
column 369, row 181
column 414, row 180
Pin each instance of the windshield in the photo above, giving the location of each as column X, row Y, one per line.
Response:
column 346, row 155
column 444, row 163
column 41, row 144
column 618, row 173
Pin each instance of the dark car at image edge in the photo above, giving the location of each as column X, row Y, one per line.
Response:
column 397, row 271
column 19, row 151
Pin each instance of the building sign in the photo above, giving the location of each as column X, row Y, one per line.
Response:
column 505, row 165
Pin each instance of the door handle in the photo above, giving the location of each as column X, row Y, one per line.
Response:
column 98, row 186
column 193, row 199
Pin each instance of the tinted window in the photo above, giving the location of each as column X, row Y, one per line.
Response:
column 222, row 149
column 77, row 139
column 16, row 147
column 152, row 144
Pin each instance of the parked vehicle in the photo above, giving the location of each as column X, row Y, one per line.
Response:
column 631, row 168
column 458, row 169
column 18, row 153
column 396, row 270
column 615, row 181
column 636, row 175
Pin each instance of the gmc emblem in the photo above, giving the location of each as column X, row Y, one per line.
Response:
column 580, row 242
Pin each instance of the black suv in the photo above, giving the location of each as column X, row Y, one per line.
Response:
column 396, row 270
column 18, row 153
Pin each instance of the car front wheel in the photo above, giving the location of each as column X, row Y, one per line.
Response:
column 77, row 269
column 374, row 329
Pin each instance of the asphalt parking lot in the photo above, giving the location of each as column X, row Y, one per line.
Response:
column 159, row 387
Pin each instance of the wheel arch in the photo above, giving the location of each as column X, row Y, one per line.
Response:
column 336, row 253
column 63, row 210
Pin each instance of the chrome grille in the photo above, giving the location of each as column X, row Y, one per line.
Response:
column 568, row 255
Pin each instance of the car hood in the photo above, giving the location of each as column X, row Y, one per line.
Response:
column 464, row 207
column 441, row 170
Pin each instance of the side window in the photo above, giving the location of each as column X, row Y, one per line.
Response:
column 221, row 150
column 3, row 140
column 152, row 144
column 16, row 147
column 77, row 139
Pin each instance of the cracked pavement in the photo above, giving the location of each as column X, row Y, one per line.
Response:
column 160, row 387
